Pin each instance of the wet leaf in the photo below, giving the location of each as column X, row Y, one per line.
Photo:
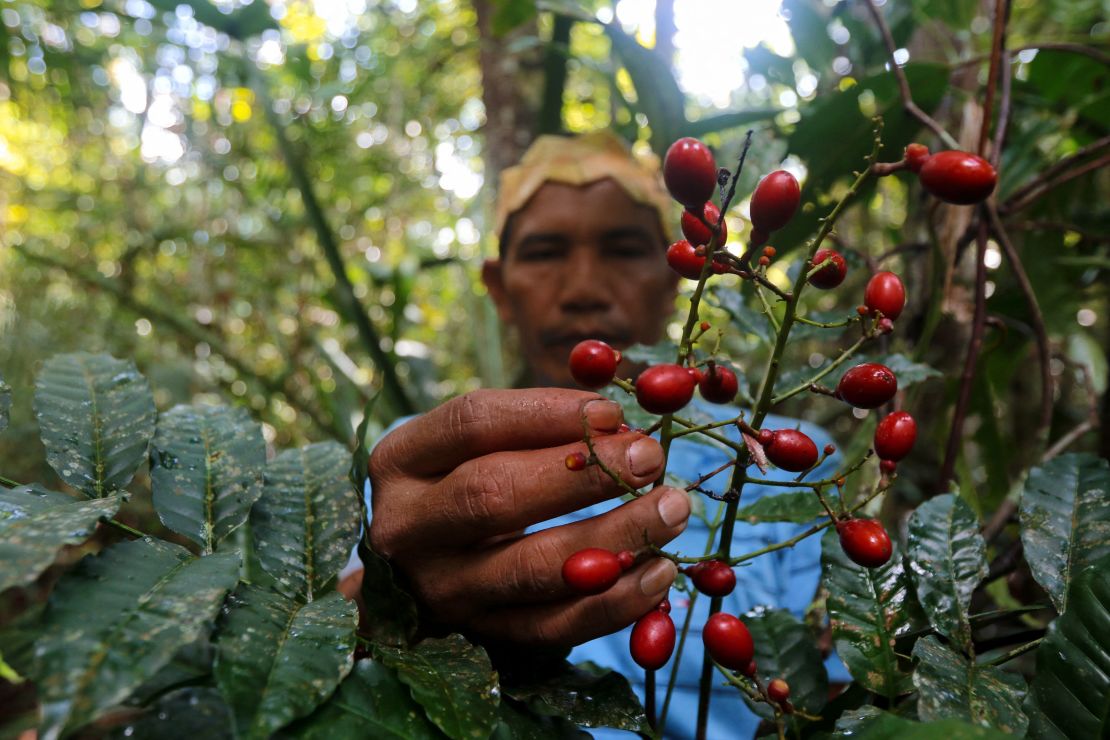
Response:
column 206, row 471
column 453, row 680
column 800, row 507
column 306, row 522
column 1070, row 693
column 1065, row 520
column 116, row 619
column 96, row 416
column 869, row 609
column 947, row 559
column 390, row 611
column 278, row 659
column 192, row 712
column 35, row 523
column 952, row 687
column 371, row 702
column 516, row 723
column 586, row 694
column 871, row 723
column 784, row 648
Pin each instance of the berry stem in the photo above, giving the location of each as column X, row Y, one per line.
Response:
column 767, row 309
column 596, row 460
column 122, row 527
column 840, row 360
column 828, row 324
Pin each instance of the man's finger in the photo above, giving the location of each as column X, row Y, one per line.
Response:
column 506, row 491
column 487, row 421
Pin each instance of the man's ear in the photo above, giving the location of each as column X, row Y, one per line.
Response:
column 494, row 281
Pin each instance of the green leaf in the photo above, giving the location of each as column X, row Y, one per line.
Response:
column 206, row 471
column 952, row 687
column 509, row 14
column 869, row 608
column 452, row 679
column 116, row 619
column 784, row 648
column 516, row 723
column 278, row 659
column 1065, row 520
column 586, row 694
column 371, row 702
column 654, row 354
column 96, row 414
column 306, row 522
column 390, row 611
column 658, row 94
column 799, row 507
column 246, row 22
column 5, row 404
column 746, row 318
column 870, row 723
column 1070, row 693
column 193, row 711
column 35, row 523
column 948, row 558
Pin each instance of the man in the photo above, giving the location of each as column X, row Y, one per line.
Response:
column 581, row 256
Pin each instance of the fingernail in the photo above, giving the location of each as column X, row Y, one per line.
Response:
column 674, row 508
column 658, row 577
column 603, row 415
column 644, row 456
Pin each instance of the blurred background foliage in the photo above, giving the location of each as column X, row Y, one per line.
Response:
column 284, row 204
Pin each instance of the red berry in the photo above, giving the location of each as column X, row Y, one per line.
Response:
column 714, row 578
column 758, row 237
column 698, row 233
column 865, row 542
column 766, row 436
column 696, row 374
column 832, row 274
column 576, row 461
column 916, row 154
column 886, row 326
column 885, row 292
column 750, row 670
column 895, row 435
column 792, row 450
column 664, row 389
column 774, row 201
column 591, row 571
column 593, row 363
column 728, row 641
column 958, row 177
column 888, row 467
column 690, row 172
column 778, row 691
column 764, row 260
column 652, row 640
column 664, row 606
column 626, row 559
column 705, row 326
column 718, row 385
column 830, row 449
column 684, row 259
column 769, row 251
column 867, row 386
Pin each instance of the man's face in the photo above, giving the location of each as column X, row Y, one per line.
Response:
column 582, row 262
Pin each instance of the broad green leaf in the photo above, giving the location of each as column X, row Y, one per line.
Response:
column 516, row 723
column 1070, row 693
column 658, row 95
column 871, row 723
column 96, row 416
column 952, row 687
column 651, row 354
column 307, row 521
column 908, row 372
column 35, row 523
column 390, row 610
column 190, row 665
column 248, row 21
column 206, row 471
column 371, row 702
column 192, row 712
column 278, row 659
column 5, row 404
column 947, row 559
column 584, row 693
column 452, row 679
column 116, row 619
column 1065, row 520
column 784, row 648
column 745, row 317
column 869, row 608
column 799, row 507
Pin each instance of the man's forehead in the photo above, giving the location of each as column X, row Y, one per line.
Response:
column 600, row 205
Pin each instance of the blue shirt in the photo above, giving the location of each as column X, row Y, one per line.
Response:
column 784, row 579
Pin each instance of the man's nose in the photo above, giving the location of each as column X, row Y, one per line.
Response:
column 585, row 285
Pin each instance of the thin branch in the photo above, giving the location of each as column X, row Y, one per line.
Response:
column 997, row 42
column 904, row 84
column 1062, row 166
column 1091, row 51
column 1012, row 205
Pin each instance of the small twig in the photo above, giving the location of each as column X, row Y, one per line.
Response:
column 596, row 460
column 1016, row 652
column 122, row 527
column 1091, row 51
column 997, row 41
column 1062, row 166
column 698, row 483
column 840, row 360
column 904, row 84
column 1013, row 205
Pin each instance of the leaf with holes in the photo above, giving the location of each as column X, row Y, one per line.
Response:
column 869, row 608
column 96, row 416
column 306, row 522
column 784, row 648
column 277, row 659
column 952, row 687
column 1070, row 693
column 104, row 633
column 584, row 693
column 206, row 471
column 35, row 523
column 1065, row 520
column 947, row 559
column 452, row 679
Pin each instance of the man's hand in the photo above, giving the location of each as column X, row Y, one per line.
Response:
column 454, row 489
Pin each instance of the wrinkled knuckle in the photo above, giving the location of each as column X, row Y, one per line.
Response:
column 385, row 536
column 470, row 412
column 555, row 630
column 537, row 568
column 486, row 494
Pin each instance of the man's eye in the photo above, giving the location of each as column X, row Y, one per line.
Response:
column 538, row 253
column 627, row 249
